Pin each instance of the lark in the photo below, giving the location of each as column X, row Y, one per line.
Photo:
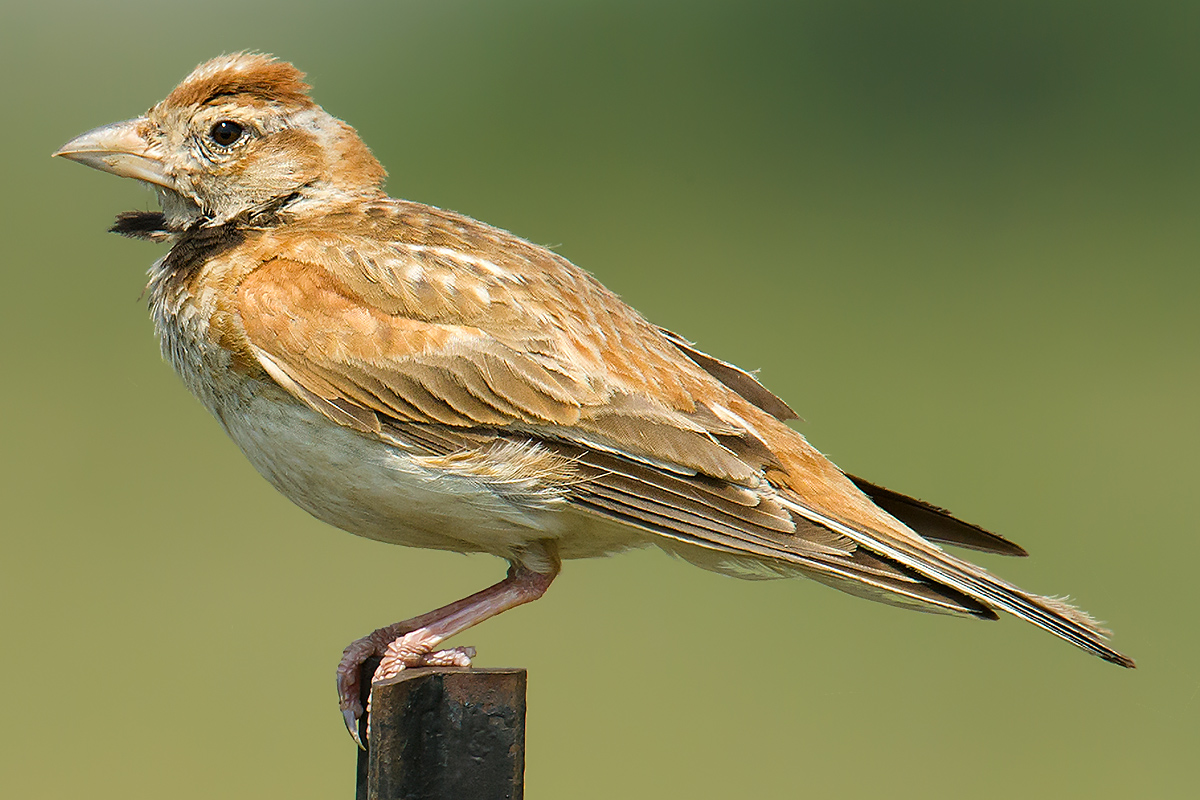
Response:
column 412, row 375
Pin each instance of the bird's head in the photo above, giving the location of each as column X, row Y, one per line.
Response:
column 237, row 136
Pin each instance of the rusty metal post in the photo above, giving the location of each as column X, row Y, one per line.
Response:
column 442, row 733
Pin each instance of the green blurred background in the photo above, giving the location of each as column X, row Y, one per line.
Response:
column 961, row 239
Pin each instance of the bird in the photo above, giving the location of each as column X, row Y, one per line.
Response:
column 412, row 375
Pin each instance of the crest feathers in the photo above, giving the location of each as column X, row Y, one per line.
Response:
column 256, row 74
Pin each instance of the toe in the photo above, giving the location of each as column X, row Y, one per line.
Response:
column 415, row 649
column 454, row 657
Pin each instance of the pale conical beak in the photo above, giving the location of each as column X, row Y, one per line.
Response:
column 120, row 149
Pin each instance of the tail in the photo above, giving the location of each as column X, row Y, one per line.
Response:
column 934, row 564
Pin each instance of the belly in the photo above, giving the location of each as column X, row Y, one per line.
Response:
column 371, row 488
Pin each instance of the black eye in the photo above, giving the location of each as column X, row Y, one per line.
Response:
column 226, row 132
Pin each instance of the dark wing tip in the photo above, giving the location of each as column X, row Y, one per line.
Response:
column 937, row 524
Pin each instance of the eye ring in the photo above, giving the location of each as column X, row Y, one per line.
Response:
column 226, row 133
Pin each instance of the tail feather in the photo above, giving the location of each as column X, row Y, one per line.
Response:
column 1049, row 613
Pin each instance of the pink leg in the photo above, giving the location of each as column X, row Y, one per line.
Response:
column 412, row 642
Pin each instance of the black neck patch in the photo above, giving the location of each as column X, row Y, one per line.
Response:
column 197, row 245
column 151, row 225
column 199, row 242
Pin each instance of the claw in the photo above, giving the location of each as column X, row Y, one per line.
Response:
column 352, row 726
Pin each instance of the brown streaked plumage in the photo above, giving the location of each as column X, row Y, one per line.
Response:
column 415, row 376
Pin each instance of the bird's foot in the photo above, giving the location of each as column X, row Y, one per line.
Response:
column 399, row 651
column 411, row 643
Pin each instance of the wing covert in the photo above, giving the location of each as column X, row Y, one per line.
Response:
column 359, row 364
